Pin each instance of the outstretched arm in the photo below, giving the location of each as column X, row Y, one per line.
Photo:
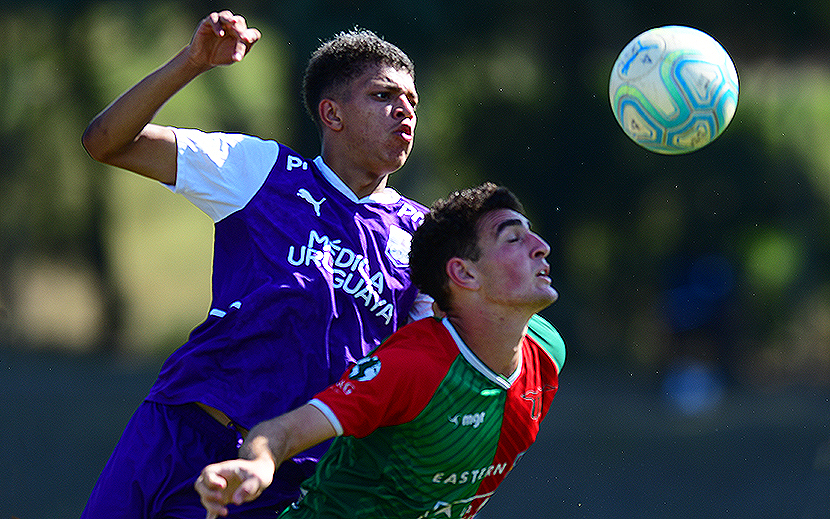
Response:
column 122, row 134
column 267, row 446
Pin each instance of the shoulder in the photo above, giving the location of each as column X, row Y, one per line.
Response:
column 405, row 212
column 219, row 142
column 426, row 340
column 423, row 350
column 411, row 210
column 221, row 172
column 393, row 384
column 548, row 339
column 414, row 203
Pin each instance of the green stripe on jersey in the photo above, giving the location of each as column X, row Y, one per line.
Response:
column 548, row 338
column 439, row 457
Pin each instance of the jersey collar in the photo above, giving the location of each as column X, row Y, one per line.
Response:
column 387, row 196
column 472, row 358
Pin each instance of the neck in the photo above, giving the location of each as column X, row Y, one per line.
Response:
column 364, row 185
column 496, row 340
column 362, row 182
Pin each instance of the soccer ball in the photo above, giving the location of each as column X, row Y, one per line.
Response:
column 673, row 89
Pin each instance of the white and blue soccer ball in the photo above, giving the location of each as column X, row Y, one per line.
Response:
column 673, row 89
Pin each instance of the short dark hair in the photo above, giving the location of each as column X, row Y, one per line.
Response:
column 342, row 59
column 450, row 231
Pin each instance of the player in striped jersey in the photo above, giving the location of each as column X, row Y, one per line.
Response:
column 432, row 421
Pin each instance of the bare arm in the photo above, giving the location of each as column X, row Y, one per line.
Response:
column 267, row 446
column 123, row 136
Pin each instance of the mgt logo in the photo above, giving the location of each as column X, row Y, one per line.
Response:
column 468, row 420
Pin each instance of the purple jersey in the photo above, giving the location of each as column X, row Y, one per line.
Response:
column 306, row 279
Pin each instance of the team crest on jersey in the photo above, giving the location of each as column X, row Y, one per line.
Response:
column 366, row 369
column 397, row 248
column 534, row 396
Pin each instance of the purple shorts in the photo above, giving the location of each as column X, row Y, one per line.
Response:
column 158, row 458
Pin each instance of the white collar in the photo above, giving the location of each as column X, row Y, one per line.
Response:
column 387, row 196
column 471, row 357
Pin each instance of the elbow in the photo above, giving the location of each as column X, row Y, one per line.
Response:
column 89, row 141
column 93, row 141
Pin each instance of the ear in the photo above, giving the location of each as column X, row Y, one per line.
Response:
column 329, row 112
column 462, row 273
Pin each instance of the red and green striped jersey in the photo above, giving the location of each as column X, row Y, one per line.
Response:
column 425, row 428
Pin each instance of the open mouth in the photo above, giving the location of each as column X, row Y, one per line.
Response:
column 406, row 132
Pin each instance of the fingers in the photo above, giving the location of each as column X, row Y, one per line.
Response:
column 212, row 492
column 222, row 38
column 226, row 23
column 250, row 488
column 228, row 482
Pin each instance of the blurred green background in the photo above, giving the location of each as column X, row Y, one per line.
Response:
column 694, row 290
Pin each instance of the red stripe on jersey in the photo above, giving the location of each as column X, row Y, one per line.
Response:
column 528, row 401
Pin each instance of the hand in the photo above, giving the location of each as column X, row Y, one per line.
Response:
column 235, row 481
column 221, row 39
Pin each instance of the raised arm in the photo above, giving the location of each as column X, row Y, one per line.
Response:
column 267, row 446
column 123, row 136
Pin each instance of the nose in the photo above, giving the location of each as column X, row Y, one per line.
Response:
column 542, row 248
column 404, row 108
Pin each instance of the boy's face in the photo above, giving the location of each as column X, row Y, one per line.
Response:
column 378, row 114
column 512, row 267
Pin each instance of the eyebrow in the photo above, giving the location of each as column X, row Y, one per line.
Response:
column 511, row 223
column 391, row 85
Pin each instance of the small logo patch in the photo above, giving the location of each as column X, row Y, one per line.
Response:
column 366, row 369
column 305, row 195
column 397, row 248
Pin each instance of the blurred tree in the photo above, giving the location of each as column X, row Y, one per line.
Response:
column 720, row 254
column 50, row 207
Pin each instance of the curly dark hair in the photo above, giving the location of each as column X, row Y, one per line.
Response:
column 344, row 57
column 450, row 231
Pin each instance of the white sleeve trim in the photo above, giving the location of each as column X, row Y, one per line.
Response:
column 470, row 356
column 329, row 414
column 219, row 172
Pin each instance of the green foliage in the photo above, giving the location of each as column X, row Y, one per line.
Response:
column 510, row 92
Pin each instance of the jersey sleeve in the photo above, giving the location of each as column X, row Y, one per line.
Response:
column 220, row 173
column 389, row 387
column 548, row 338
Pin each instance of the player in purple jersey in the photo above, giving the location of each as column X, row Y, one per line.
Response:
column 310, row 266
column 432, row 421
